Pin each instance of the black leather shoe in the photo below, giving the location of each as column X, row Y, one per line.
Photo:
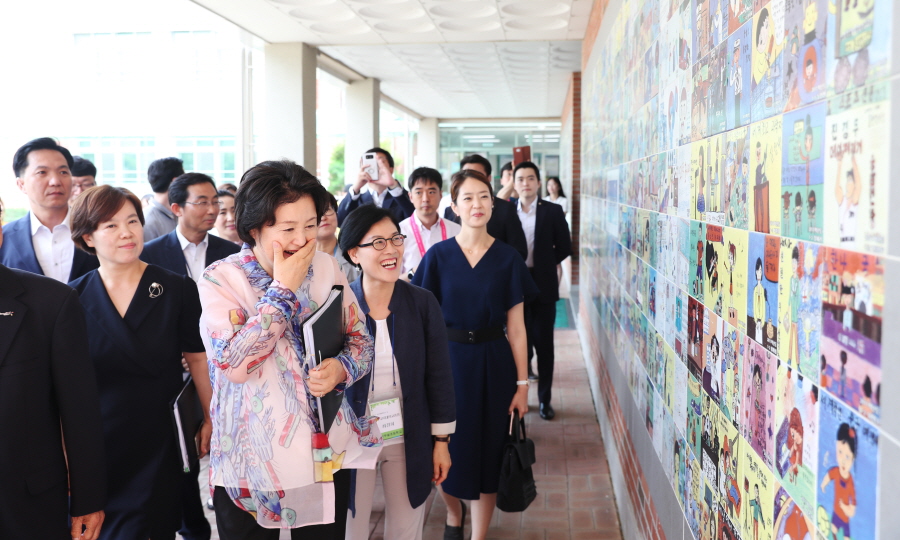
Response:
column 456, row 533
column 547, row 412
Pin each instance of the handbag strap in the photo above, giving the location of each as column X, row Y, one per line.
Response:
column 516, row 425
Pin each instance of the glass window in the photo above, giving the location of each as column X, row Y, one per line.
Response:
column 188, row 160
column 129, row 162
column 108, row 161
column 204, row 161
column 228, row 161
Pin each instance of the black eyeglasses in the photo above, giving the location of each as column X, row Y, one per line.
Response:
column 381, row 243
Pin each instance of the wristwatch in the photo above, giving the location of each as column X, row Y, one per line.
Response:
column 441, row 438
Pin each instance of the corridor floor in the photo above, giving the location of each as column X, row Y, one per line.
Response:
column 575, row 498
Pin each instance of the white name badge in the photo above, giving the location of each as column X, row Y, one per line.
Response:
column 390, row 417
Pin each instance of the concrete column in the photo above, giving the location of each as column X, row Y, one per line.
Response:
column 428, row 152
column 289, row 128
column 363, row 119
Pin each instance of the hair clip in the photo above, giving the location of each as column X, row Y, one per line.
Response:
column 156, row 290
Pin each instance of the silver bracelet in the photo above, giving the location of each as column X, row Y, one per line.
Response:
column 522, row 383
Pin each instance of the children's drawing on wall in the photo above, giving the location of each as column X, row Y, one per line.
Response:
column 790, row 520
column 733, row 350
column 735, row 278
column 680, row 306
column 860, row 35
column 804, row 53
column 737, row 94
column 718, row 19
column 709, row 441
column 694, row 414
column 765, row 166
column 847, row 472
column 682, row 234
column 700, row 100
column 800, row 305
column 762, row 293
column 857, row 181
column 683, row 178
column 697, row 277
column 737, row 175
column 768, row 40
column 803, row 172
column 797, row 435
column 715, row 180
column 699, row 179
column 714, row 333
column 853, row 285
column 729, row 487
column 680, row 450
column 714, row 262
column 719, row 60
column 702, row 27
column 695, row 338
column 739, row 12
column 758, row 386
column 758, row 494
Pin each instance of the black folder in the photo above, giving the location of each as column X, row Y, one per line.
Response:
column 187, row 416
column 323, row 337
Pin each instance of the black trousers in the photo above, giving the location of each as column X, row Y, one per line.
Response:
column 539, row 320
column 194, row 525
column 235, row 524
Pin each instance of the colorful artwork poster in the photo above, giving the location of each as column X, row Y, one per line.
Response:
column 651, row 400
column 695, row 338
column 694, row 499
column 694, row 414
column 650, row 69
column 802, row 174
column 737, row 176
column 644, row 230
column 701, row 31
column 700, row 100
column 759, row 399
column 709, row 440
column 680, row 396
column 713, row 334
column 684, row 88
column 859, row 43
column 679, row 166
column 765, row 166
column 680, row 303
column 666, row 427
column 698, row 238
column 790, row 521
column 656, row 365
column 759, row 496
column 714, row 262
column 729, row 487
column 668, row 376
column 709, row 511
column 655, row 166
column 734, row 277
column 763, row 256
column 733, row 350
column 766, row 88
column 797, row 435
column 718, row 84
column 682, row 467
column 800, row 305
column 857, row 161
column 847, row 480
column 650, row 310
column 683, row 266
column 737, row 94
column 739, row 12
column 715, row 179
column 853, row 285
column 718, row 19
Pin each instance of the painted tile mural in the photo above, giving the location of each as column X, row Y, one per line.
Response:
column 734, row 229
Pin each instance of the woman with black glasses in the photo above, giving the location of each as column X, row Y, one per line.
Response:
column 410, row 387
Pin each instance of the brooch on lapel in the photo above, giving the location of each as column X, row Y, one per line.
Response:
column 7, row 314
column 156, row 290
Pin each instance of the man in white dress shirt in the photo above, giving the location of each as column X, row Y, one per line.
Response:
column 40, row 242
column 425, row 227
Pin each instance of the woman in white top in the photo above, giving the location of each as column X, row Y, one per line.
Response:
column 555, row 193
column 410, row 388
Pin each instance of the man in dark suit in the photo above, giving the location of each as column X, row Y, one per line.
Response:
column 47, row 382
column 187, row 251
column 504, row 224
column 549, row 243
column 384, row 191
column 40, row 242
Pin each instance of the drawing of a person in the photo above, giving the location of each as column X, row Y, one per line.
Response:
column 798, row 212
column 756, row 506
column 699, row 276
column 848, row 201
column 842, row 380
column 760, row 299
column 732, row 254
column 844, row 489
column 701, row 185
column 767, row 48
column 736, row 81
column 759, row 404
column 810, row 17
column 794, row 301
column 795, row 442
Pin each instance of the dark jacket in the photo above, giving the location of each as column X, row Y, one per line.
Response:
column 552, row 244
column 17, row 251
column 423, row 361
column 504, row 225
column 400, row 206
column 47, row 381
column 166, row 252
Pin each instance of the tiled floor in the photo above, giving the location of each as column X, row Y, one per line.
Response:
column 575, row 497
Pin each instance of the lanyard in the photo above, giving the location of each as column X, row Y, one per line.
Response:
column 418, row 235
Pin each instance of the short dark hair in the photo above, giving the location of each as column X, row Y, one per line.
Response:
column 528, row 165
column 178, row 189
column 332, row 202
column 460, row 177
column 387, row 155
column 96, row 205
column 20, row 160
column 506, row 167
column 476, row 159
column 161, row 172
column 224, row 193
column 229, row 187
column 358, row 223
column 82, row 167
column 268, row 185
column 425, row 174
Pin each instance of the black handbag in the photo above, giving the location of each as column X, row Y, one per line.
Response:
column 517, row 489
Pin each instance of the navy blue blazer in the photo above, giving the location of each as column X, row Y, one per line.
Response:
column 504, row 225
column 166, row 252
column 552, row 244
column 400, row 206
column 17, row 251
column 419, row 337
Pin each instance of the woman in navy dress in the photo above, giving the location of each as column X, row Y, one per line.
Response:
column 482, row 285
column 141, row 321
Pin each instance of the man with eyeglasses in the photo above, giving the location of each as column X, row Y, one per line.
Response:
column 187, row 251
column 84, row 176
column 425, row 227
